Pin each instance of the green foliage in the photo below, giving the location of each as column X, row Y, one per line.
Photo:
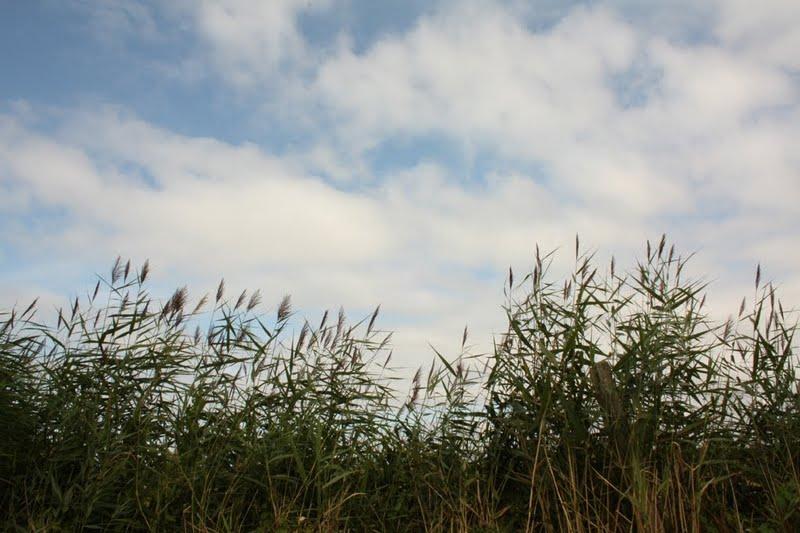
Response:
column 612, row 403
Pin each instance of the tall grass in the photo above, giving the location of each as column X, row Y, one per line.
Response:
column 612, row 403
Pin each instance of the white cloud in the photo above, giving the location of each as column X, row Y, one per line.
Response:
column 481, row 72
column 250, row 42
column 207, row 198
column 199, row 207
column 481, row 75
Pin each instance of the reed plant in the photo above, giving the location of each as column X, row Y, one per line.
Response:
column 611, row 403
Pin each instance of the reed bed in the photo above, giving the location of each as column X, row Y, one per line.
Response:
column 612, row 403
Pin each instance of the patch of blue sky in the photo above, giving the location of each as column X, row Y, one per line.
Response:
column 49, row 56
column 37, row 62
column 467, row 162
column 53, row 56
column 543, row 15
column 684, row 22
column 367, row 21
column 400, row 152
column 363, row 21
column 636, row 85
column 770, row 113
column 133, row 172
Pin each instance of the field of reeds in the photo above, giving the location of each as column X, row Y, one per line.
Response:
column 612, row 403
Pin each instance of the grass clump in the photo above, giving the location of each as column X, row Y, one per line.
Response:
column 611, row 403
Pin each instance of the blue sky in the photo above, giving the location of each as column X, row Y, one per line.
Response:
column 403, row 153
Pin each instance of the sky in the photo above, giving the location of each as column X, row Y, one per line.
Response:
column 401, row 153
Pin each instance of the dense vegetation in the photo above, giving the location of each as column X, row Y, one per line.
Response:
column 612, row 403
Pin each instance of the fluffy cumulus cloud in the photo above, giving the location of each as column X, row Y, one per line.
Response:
column 598, row 121
column 251, row 41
